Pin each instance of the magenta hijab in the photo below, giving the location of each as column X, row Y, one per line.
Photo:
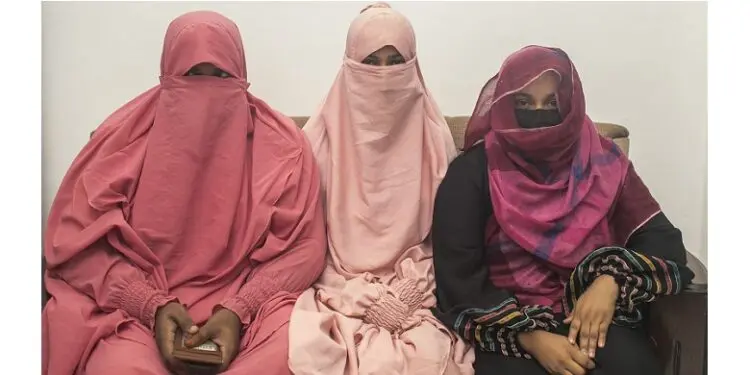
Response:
column 553, row 189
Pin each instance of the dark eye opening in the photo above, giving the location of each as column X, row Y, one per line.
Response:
column 371, row 60
column 522, row 101
column 551, row 101
column 396, row 60
column 207, row 70
column 221, row 74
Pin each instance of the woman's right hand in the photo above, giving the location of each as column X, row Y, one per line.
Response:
column 555, row 353
column 169, row 318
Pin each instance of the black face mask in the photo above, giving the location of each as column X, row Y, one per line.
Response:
column 537, row 118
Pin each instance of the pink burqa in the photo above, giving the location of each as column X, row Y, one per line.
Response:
column 195, row 191
column 383, row 147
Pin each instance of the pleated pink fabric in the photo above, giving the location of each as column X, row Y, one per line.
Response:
column 383, row 147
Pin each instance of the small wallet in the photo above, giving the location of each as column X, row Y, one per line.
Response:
column 205, row 355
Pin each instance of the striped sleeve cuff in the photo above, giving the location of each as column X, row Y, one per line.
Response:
column 496, row 329
column 641, row 278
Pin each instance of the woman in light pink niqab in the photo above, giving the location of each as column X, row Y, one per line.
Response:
column 383, row 147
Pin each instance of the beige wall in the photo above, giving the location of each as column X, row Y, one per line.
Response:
column 643, row 65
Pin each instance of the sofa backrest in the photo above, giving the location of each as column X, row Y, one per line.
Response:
column 618, row 133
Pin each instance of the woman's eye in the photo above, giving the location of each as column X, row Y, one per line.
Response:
column 522, row 102
column 370, row 60
column 396, row 61
column 552, row 103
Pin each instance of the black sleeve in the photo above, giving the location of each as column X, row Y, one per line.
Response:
column 652, row 263
column 659, row 238
column 467, row 301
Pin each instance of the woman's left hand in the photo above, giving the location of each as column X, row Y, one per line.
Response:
column 592, row 315
column 223, row 328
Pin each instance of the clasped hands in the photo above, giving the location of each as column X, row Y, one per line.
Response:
column 223, row 328
column 589, row 322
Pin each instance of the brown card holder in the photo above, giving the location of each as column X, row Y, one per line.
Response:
column 207, row 354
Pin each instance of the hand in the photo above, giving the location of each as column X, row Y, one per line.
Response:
column 168, row 318
column 555, row 353
column 592, row 315
column 223, row 328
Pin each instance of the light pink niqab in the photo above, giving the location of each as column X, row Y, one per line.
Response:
column 383, row 147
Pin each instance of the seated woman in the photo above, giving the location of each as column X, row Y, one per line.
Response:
column 383, row 147
column 547, row 243
column 173, row 217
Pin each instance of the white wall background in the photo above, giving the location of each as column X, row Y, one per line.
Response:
column 643, row 65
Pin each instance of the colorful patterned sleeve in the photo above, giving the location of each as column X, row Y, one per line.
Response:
column 642, row 278
column 496, row 329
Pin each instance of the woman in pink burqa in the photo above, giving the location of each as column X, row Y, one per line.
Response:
column 195, row 207
column 383, row 147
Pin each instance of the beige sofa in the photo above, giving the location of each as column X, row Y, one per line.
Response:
column 677, row 324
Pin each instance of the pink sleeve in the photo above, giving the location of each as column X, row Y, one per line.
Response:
column 293, row 271
column 116, row 284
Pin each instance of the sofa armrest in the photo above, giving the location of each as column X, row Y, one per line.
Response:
column 700, row 271
column 678, row 325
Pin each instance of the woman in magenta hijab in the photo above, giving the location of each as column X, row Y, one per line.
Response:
column 194, row 208
column 547, row 243
column 382, row 146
